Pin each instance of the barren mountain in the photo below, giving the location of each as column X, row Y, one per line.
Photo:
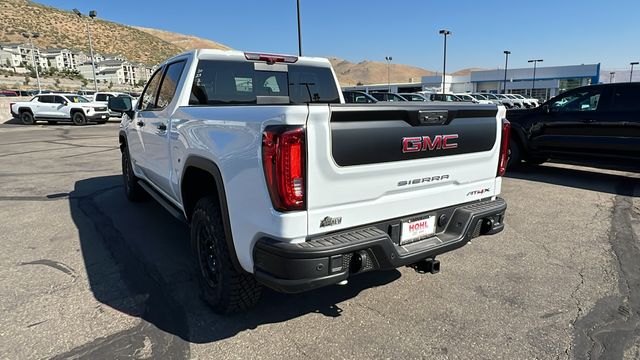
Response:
column 372, row 72
column 466, row 71
column 184, row 42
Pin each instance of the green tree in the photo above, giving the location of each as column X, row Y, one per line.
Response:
column 110, row 85
column 84, row 82
column 57, row 82
column 27, row 79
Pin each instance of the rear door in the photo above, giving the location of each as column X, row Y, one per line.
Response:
column 46, row 106
column 369, row 164
column 623, row 120
column 576, row 123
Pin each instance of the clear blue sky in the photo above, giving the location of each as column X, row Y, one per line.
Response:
column 560, row 32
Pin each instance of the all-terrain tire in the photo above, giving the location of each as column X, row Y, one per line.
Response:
column 132, row 188
column 78, row 118
column 224, row 288
column 27, row 118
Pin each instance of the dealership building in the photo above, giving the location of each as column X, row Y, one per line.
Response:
column 549, row 81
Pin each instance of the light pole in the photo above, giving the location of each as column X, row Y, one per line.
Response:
column 612, row 76
column 444, row 63
column 506, row 64
column 92, row 15
column 631, row 73
column 299, row 33
column 34, row 35
column 535, row 62
column 388, row 59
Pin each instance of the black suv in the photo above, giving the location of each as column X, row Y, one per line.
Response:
column 586, row 122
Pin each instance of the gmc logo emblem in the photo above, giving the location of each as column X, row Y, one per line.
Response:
column 424, row 143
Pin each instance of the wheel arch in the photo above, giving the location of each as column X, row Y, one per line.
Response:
column 122, row 139
column 518, row 135
column 197, row 175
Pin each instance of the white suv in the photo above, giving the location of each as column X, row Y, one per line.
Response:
column 60, row 107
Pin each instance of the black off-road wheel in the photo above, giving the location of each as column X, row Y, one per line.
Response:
column 132, row 189
column 78, row 118
column 224, row 288
column 27, row 118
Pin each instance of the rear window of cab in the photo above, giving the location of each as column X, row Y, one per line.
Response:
column 239, row 83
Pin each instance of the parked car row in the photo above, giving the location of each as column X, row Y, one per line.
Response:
column 510, row 101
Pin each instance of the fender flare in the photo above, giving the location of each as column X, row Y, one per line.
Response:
column 211, row 167
column 518, row 135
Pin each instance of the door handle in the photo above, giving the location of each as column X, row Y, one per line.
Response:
column 140, row 123
column 162, row 127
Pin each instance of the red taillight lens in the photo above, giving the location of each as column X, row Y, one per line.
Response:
column 283, row 159
column 271, row 58
column 504, row 147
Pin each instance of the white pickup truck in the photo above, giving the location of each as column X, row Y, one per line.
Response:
column 283, row 185
column 55, row 108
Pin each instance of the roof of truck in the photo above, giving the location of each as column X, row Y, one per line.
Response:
column 216, row 54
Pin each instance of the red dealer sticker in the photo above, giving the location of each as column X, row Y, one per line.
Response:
column 417, row 229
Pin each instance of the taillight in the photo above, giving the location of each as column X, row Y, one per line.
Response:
column 283, row 159
column 504, row 147
column 271, row 58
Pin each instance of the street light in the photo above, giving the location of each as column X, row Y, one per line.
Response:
column 444, row 65
column 92, row 15
column 506, row 64
column 388, row 59
column 612, row 76
column 631, row 74
column 535, row 62
column 299, row 33
column 30, row 36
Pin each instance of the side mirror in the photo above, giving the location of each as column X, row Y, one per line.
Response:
column 546, row 109
column 65, row 103
column 120, row 104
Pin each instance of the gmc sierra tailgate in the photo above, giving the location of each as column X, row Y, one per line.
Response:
column 369, row 163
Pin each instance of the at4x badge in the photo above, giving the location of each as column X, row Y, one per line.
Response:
column 478, row 192
column 329, row 221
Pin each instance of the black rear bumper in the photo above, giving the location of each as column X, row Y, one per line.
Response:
column 331, row 258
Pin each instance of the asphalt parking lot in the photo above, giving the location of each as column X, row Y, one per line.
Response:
column 86, row 274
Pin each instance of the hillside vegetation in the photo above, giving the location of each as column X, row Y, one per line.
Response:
column 63, row 29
